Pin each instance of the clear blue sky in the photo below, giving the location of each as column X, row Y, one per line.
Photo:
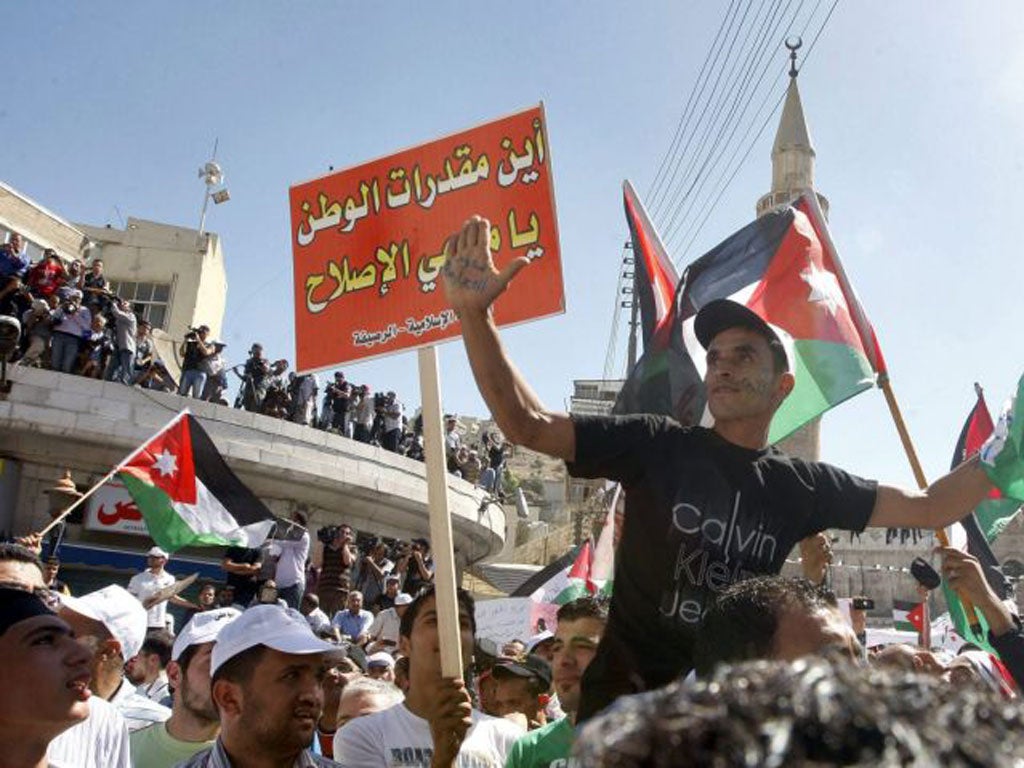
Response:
column 916, row 110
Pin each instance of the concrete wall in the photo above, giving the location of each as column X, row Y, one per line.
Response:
column 150, row 252
column 40, row 226
column 51, row 421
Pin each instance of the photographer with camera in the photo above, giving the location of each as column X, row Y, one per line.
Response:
column 216, row 375
column 339, row 392
column 392, row 423
column 96, row 348
column 335, row 558
column 276, row 399
column 72, row 324
column 374, row 568
column 96, row 288
column 37, row 328
column 254, row 380
column 363, row 415
column 193, row 351
column 126, row 325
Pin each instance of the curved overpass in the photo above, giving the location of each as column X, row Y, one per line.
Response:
column 50, row 421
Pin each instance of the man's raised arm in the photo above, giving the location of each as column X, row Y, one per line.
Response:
column 943, row 502
column 471, row 284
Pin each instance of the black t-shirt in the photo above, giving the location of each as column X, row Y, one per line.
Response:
column 701, row 513
column 245, row 586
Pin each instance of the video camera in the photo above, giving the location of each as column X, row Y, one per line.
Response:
column 328, row 533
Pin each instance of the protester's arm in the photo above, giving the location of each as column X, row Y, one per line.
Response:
column 472, row 283
column 964, row 574
column 239, row 569
column 943, row 502
column 450, row 719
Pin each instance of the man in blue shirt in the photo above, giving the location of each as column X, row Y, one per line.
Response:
column 354, row 621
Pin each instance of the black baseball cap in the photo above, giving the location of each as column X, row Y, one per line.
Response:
column 532, row 666
column 721, row 314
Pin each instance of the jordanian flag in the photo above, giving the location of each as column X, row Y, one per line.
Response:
column 785, row 267
column 583, row 572
column 908, row 617
column 981, row 526
column 187, row 494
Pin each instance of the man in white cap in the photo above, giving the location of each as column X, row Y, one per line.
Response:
column 705, row 507
column 194, row 722
column 146, row 584
column 384, row 629
column 268, row 670
column 112, row 624
column 381, row 666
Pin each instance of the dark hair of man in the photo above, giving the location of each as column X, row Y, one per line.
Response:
column 779, row 363
column 238, row 669
column 740, row 624
column 789, row 713
column 466, row 603
column 159, row 642
column 584, row 608
column 16, row 553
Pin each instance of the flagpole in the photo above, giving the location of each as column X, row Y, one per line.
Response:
column 922, row 483
column 110, row 474
column 439, row 512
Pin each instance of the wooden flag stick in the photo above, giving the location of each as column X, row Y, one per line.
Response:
column 117, row 467
column 922, row 482
column 446, row 600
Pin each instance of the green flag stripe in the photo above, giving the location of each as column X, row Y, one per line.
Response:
column 166, row 526
column 1007, row 472
column 827, row 373
column 959, row 618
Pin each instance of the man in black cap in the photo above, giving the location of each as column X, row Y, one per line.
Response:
column 704, row 507
column 44, row 677
column 524, row 687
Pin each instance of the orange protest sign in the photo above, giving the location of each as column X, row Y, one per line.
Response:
column 368, row 241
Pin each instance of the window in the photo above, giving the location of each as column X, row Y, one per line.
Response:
column 151, row 301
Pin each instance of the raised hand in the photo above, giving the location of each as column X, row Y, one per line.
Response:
column 471, row 281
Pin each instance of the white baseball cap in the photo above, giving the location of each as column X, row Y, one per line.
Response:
column 380, row 659
column 117, row 610
column 283, row 629
column 537, row 639
column 403, row 598
column 157, row 552
column 203, row 627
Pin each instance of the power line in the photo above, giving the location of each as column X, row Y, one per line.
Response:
column 754, row 56
column 700, row 119
column 760, row 130
column 655, row 186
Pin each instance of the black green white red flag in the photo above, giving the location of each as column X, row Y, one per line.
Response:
column 188, row 495
column 979, row 528
column 785, row 267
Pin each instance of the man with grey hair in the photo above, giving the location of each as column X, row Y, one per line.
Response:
column 364, row 696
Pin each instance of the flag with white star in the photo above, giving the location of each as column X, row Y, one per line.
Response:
column 188, row 495
column 785, row 267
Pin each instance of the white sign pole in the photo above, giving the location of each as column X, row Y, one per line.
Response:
column 440, row 519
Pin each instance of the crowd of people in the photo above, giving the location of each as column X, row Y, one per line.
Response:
column 70, row 320
column 782, row 678
column 704, row 654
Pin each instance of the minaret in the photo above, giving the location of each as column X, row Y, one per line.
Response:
column 792, row 173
